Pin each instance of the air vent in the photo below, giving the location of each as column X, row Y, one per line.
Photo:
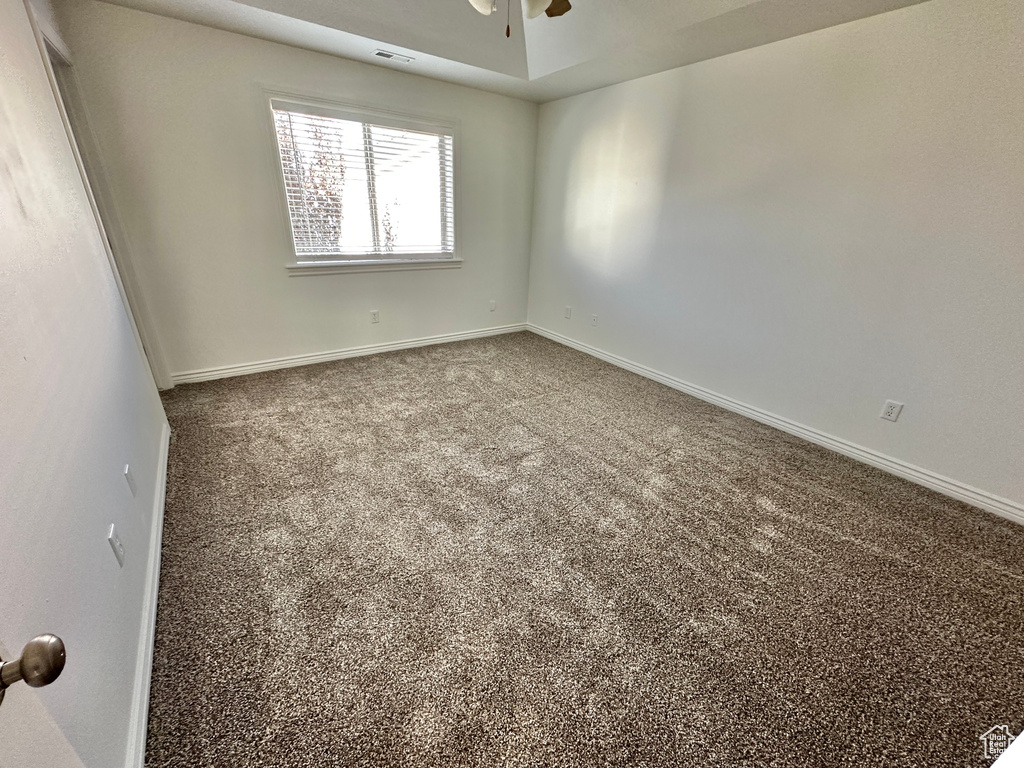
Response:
column 392, row 56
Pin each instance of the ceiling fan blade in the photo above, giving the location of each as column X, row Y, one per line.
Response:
column 535, row 8
column 484, row 6
column 558, row 7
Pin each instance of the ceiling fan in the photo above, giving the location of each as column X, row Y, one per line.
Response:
column 534, row 8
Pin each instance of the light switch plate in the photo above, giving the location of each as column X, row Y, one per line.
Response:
column 116, row 545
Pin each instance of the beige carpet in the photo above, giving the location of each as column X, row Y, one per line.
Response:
column 506, row 553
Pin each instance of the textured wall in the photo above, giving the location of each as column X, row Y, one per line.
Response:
column 811, row 227
column 76, row 403
column 183, row 135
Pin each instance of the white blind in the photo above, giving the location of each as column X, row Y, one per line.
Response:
column 357, row 190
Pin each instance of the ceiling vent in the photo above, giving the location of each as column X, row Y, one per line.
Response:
column 392, row 56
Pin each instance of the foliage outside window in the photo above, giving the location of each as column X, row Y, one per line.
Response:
column 363, row 189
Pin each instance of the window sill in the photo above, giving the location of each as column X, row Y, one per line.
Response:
column 303, row 268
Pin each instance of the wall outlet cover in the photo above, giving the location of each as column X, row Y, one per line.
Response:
column 374, row 315
column 130, row 479
column 568, row 313
column 891, row 411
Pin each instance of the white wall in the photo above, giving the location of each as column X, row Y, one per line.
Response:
column 76, row 403
column 810, row 228
column 184, row 137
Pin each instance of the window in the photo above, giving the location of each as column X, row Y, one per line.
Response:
column 365, row 189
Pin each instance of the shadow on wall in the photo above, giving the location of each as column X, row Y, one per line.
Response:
column 616, row 184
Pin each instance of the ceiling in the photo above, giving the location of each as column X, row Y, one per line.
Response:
column 598, row 43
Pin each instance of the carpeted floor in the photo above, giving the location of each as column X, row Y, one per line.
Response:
column 506, row 553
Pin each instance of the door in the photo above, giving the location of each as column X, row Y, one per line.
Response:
column 77, row 405
column 28, row 734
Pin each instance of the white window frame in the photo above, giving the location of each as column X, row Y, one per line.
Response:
column 316, row 106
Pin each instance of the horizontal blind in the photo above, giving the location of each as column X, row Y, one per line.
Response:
column 362, row 190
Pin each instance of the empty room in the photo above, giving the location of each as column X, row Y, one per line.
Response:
column 527, row 383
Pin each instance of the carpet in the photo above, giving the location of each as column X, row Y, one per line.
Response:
column 504, row 552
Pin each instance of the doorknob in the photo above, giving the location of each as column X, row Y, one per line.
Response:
column 40, row 664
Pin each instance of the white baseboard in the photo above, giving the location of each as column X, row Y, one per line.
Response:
column 136, row 754
column 1011, row 510
column 208, row 374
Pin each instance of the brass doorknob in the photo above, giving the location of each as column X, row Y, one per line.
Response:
column 40, row 664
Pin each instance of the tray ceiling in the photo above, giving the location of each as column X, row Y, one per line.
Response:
column 599, row 42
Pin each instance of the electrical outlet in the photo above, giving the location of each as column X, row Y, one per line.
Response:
column 892, row 409
column 593, row 319
column 374, row 315
column 494, row 305
column 130, row 479
column 116, row 545
column 568, row 313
